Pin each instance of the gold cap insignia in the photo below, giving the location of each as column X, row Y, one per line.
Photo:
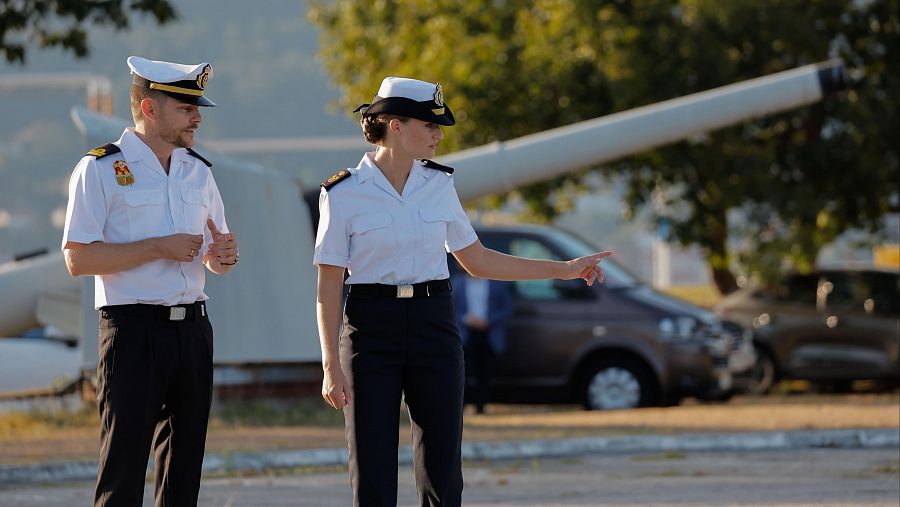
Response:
column 203, row 77
column 438, row 95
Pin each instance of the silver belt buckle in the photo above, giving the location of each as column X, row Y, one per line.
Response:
column 177, row 312
column 405, row 291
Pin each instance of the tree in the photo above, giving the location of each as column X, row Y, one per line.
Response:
column 63, row 23
column 510, row 68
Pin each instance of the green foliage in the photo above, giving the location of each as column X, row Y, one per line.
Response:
column 273, row 412
column 510, row 68
column 63, row 23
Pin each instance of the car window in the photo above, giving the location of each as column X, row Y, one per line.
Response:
column 798, row 289
column 533, row 289
column 844, row 291
column 614, row 275
column 884, row 293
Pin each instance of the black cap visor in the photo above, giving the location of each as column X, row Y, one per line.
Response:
column 189, row 99
column 426, row 111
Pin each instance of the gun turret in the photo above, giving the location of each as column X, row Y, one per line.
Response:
column 265, row 311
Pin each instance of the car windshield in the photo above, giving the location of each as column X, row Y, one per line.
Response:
column 614, row 275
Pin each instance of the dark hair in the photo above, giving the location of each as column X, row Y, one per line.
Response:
column 139, row 93
column 375, row 126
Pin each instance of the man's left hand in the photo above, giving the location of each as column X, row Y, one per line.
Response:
column 223, row 249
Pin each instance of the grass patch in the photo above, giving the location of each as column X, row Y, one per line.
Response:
column 701, row 295
column 666, row 456
column 293, row 412
column 39, row 422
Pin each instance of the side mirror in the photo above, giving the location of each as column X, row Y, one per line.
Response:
column 574, row 289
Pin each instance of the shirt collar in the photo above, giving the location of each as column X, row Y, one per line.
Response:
column 134, row 149
column 367, row 168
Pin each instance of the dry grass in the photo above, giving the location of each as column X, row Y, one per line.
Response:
column 748, row 414
column 701, row 295
column 30, row 438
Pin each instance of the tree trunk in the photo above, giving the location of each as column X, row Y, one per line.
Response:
column 718, row 257
column 724, row 280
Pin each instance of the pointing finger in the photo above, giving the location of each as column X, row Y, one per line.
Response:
column 600, row 255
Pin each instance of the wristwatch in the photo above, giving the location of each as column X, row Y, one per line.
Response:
column 237, row 257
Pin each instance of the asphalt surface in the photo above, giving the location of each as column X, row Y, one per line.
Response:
column 795, row 478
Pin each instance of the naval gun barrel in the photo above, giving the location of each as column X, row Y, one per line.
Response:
column 503, row 166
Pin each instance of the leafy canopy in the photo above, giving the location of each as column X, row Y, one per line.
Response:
column 779, row 188
column 64, row 23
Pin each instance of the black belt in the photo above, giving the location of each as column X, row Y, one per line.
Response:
column 189, row 311
column 415, row 290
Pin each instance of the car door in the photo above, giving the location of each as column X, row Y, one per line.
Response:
column 550, row 321
column 794, row 324
column 860, row 317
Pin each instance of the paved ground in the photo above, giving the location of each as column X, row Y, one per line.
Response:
column 828, row 477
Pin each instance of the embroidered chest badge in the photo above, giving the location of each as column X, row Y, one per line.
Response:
column 123, row 175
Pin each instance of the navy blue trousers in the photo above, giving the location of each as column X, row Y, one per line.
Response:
column 403, row 348
column 155, row 390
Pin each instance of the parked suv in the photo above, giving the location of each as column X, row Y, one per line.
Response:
column 830, row 327
column 619, row 344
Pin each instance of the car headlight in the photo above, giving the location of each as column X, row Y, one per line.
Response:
column 683, row 329
column 679, row 329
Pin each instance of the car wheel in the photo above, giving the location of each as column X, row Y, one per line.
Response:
column 617, row 384
column 763, row 373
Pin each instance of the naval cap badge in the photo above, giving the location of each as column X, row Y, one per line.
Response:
column 438, row 95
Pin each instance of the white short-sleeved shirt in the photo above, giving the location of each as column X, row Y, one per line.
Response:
column 154, row 204
column 385, row 237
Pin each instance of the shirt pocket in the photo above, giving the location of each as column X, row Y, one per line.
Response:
column 196, row 209
column 372, row 230
column 434, row 229
column 146, row 211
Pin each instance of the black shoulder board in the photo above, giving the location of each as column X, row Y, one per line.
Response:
column 431, row 164
column 194, row 153
column 102, row 151
column 335, row 179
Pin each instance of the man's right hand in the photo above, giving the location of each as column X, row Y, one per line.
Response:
column 180, row 247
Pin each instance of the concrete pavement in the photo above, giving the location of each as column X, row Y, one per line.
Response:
column 790, row 478
column 255, row 462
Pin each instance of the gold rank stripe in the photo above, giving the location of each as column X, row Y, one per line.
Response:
column 438, row 111
column 176, row 89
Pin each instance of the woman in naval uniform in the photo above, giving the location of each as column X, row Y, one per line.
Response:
column 389, row 222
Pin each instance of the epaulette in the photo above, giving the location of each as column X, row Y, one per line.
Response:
column 335, row 179
column 431, row 164
column 194, row 153
column 103, row 151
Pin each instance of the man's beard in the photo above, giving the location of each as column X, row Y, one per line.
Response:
column 175, row 137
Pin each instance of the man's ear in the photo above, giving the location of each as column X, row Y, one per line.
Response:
column 149, row 108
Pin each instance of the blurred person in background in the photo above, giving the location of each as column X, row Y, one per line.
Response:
column 482, row 309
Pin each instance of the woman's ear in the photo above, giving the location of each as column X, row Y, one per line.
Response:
column 394, row 124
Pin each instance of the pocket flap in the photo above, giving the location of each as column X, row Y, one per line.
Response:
column 435, row 215
column 194, row 196
column 371, row 221
column 144, row 198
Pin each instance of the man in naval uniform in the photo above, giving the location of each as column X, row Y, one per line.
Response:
column 145, row 218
